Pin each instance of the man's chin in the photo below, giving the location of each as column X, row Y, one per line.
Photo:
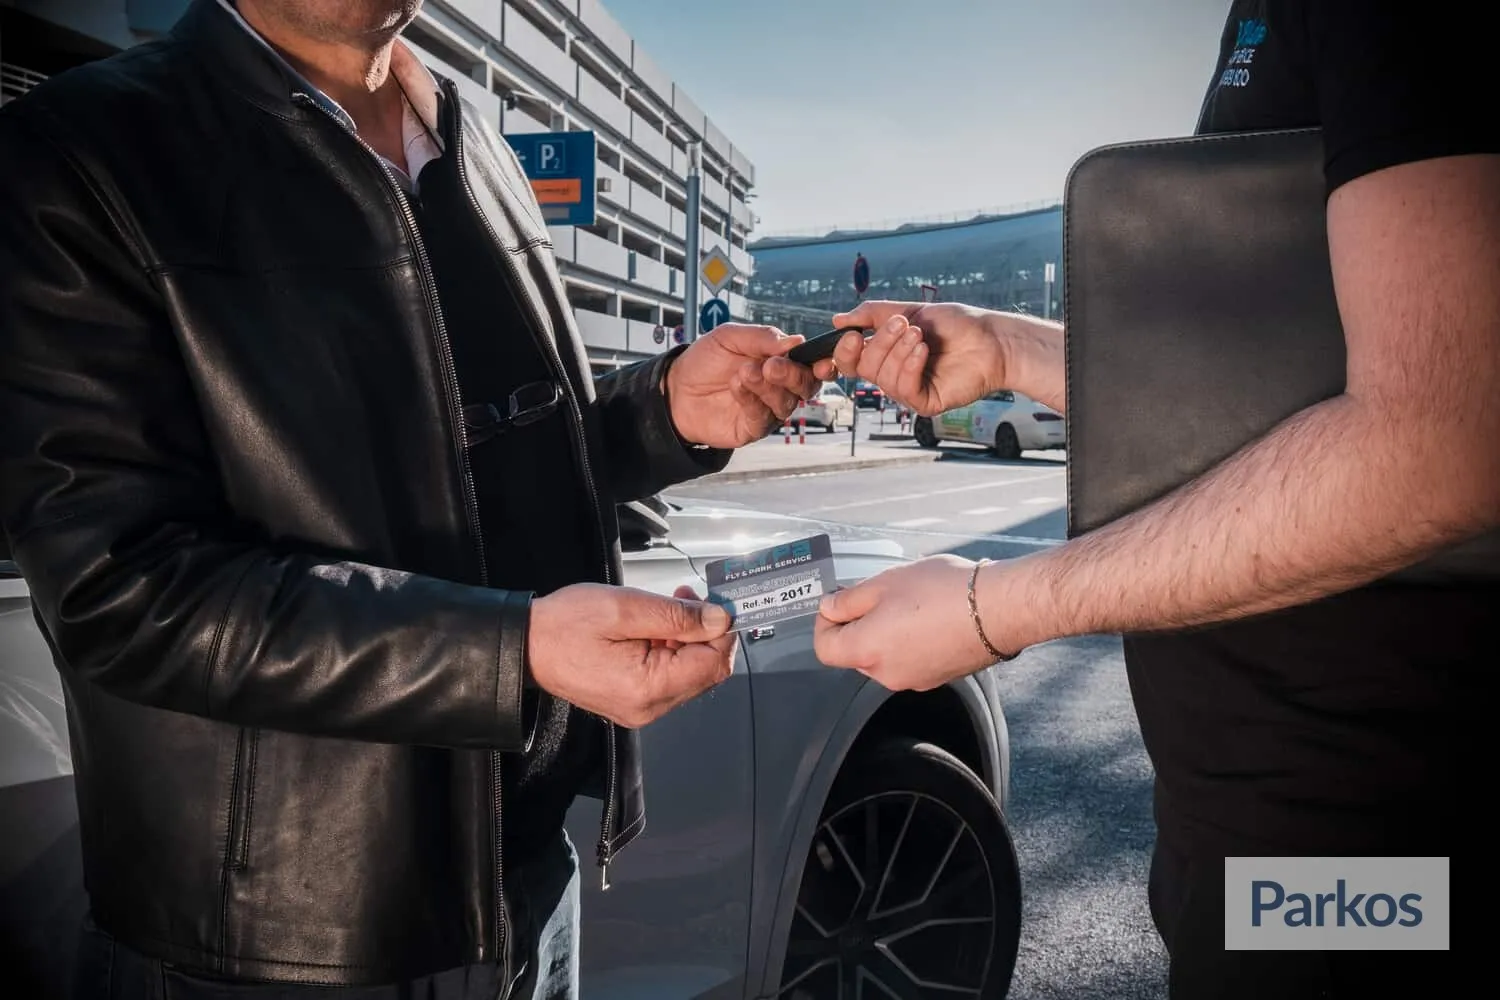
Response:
column 394, row 17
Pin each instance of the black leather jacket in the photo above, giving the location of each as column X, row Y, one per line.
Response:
column 233, row 472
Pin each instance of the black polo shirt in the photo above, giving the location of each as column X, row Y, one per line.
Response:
column 1340, row 727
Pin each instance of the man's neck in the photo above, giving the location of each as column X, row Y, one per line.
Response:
column 356, row 75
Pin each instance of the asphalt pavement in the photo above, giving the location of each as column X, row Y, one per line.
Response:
column 964, row 502
column 1081, row 782
column 804, row 451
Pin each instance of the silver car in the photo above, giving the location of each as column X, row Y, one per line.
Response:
column 810, row 835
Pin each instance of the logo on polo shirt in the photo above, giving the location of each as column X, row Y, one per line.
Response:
column 1251, row 33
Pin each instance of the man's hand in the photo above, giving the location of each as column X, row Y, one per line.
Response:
column 907, row 628
column 1400, row 466
column 628, row 655
column 733, row 387
column 932, row 358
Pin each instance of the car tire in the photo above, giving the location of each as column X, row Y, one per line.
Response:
column 1007, row 445
column 921, row 429
column 892, row 811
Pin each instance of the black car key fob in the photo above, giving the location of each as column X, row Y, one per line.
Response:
column 821, row 346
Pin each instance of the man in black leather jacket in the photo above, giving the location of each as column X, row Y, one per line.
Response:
column 301, row 457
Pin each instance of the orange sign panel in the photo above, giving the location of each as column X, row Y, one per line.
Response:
column 558, row 191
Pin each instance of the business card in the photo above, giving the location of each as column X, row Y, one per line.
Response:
column 774, row 584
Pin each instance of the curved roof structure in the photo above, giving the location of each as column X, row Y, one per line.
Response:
column 996, row 262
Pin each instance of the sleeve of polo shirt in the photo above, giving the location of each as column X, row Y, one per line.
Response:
column 1397, row 83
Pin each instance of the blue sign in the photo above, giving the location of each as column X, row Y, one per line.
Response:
column 560, row 166
column 714, row 313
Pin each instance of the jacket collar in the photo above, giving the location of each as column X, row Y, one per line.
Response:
column 237, row 59
column 235, row 53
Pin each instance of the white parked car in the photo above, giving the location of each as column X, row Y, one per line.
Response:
column 1005, row 422
column 830, row 409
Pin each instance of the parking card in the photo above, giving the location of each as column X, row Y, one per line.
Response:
column 775, row 584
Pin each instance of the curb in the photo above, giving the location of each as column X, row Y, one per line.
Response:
column 878, row 436
column 788, row 471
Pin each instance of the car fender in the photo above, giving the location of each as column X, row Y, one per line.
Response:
column 778, row 866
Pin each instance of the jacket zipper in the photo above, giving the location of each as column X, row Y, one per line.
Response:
column 580, row 446
column 471, row 500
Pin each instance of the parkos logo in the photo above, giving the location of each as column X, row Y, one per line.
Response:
column 1341, row 907
column 1336, row 904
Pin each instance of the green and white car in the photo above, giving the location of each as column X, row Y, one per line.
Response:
column 1005, row 422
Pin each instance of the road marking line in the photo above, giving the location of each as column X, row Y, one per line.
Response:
column 1040, row 543
column 915, row 522
column 936, row 493
column 1042, row 500
column 981, row 511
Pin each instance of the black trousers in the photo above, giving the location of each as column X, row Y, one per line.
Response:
column 1187, row 904
column 544, row 898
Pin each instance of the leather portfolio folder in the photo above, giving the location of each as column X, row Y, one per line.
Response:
column 1200, row 313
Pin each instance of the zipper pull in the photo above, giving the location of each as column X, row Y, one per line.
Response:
column 604, row 860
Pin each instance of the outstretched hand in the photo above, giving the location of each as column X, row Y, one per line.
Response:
column 907, row 628
column 733, row 386
column 929, row 357
column 628, row 655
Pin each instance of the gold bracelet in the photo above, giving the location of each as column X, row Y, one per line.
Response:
column 974, row 614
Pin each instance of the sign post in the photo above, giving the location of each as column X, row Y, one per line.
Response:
column 560, row 166
column 853, row 429
column 716, row 270
column 1050, row 275
column 714, row 313
column 694, row 223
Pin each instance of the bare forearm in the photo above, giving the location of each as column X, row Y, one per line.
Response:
column 1339, row 495
column 1034, row 360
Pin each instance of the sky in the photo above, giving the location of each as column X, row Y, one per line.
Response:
column 860, row 112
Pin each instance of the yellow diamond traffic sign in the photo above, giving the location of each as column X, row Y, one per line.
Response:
column 716, row 270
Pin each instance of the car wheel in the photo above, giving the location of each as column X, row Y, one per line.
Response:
column 1007, row 445
column 911, row 887
column 921, row 429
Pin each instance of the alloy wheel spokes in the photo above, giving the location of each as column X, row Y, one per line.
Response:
column 900, row 900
